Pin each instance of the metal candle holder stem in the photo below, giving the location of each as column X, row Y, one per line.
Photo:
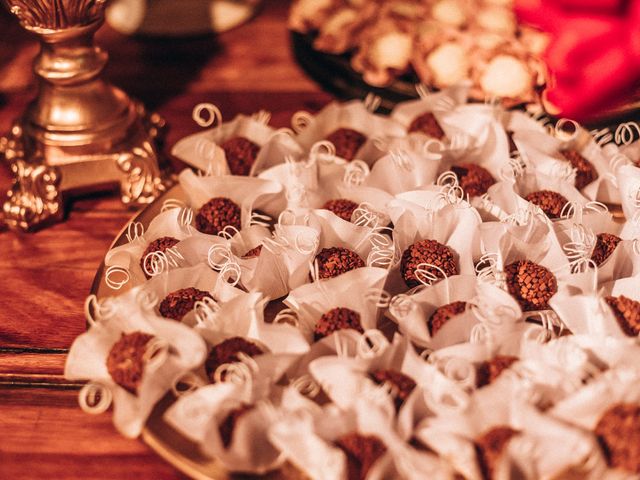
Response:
column 79, row 134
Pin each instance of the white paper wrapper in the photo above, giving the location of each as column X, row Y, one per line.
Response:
column 503, row 193
column 453, row 225
column 549, row 372
column 366, row 241
column 344, row 343
column 353, row 115
column 198, row 416
column 585, row 408
column 486, row 304
column 592, row 220
column 125, row 259
column 459, row 362
column 517, row 121
column 477, row 136
column 543, row 152
column 589, row 314
column 313, row 300
column 248, row 193
column 578, row 236
column 184, row 350
column 342, row 378
column 307, row 440
column 283, row 262
column 438, row 103
column 199, row 276
column 244, row 317
column 628, row 177
column 608, row 352
column 424, row 200
column 413, row 162
column 543, row 449
column 202, row 150
column 504, row 244
column 587, row 405
column 527, row 235
column 309, row 182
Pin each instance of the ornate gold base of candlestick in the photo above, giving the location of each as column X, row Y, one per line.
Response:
column 80, row 134
column 41, row 185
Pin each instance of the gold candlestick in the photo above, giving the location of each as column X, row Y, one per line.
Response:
column 80, row 133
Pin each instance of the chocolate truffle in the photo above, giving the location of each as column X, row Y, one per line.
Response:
column 585, row 171
column 161, row 244
column 488, row 371
column 334, row 261
column 337, row 319
column 605, row 245
column 227, row 352
column 126, row 360
column 361, row 451
column 347, row 142
column 618, row 432
column 342, row 207
column 177, row 304
column 427, row 124
column 489, row 448
column 216, row 214
column 241, row 154
column 532, row 285
column 228, row 424
column 254, row 252
column 474, row 179
column 627, row 312
column 401, row 384
column 443, row 314
column 430, row 252
column 551, row 203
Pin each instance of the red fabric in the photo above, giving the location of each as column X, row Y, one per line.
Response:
column 594, row 54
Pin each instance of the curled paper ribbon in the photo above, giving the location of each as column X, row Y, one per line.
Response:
column 300, row 120
column 95, row 398
column 371, row 343
column 372, row 102
column 307, row 386
column 135, row 230
column 287, row 316
column 206, row 115
column 355, row 173
column 96, row 311
column 116, row 277
column 207, row 311
column 401, row 305
column 626, row 133
column 186, row 383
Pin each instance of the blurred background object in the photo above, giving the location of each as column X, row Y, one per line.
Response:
column 396, row 43
column 182, row 18
column 594, row 53
column 578, row 59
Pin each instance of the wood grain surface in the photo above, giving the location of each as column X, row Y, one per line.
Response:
column 45, row 277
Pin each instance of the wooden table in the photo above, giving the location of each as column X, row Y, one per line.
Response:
column 45, row 277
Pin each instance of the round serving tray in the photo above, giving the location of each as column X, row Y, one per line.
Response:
column 157, row 434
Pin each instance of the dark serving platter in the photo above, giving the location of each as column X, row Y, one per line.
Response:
column 335, row 74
